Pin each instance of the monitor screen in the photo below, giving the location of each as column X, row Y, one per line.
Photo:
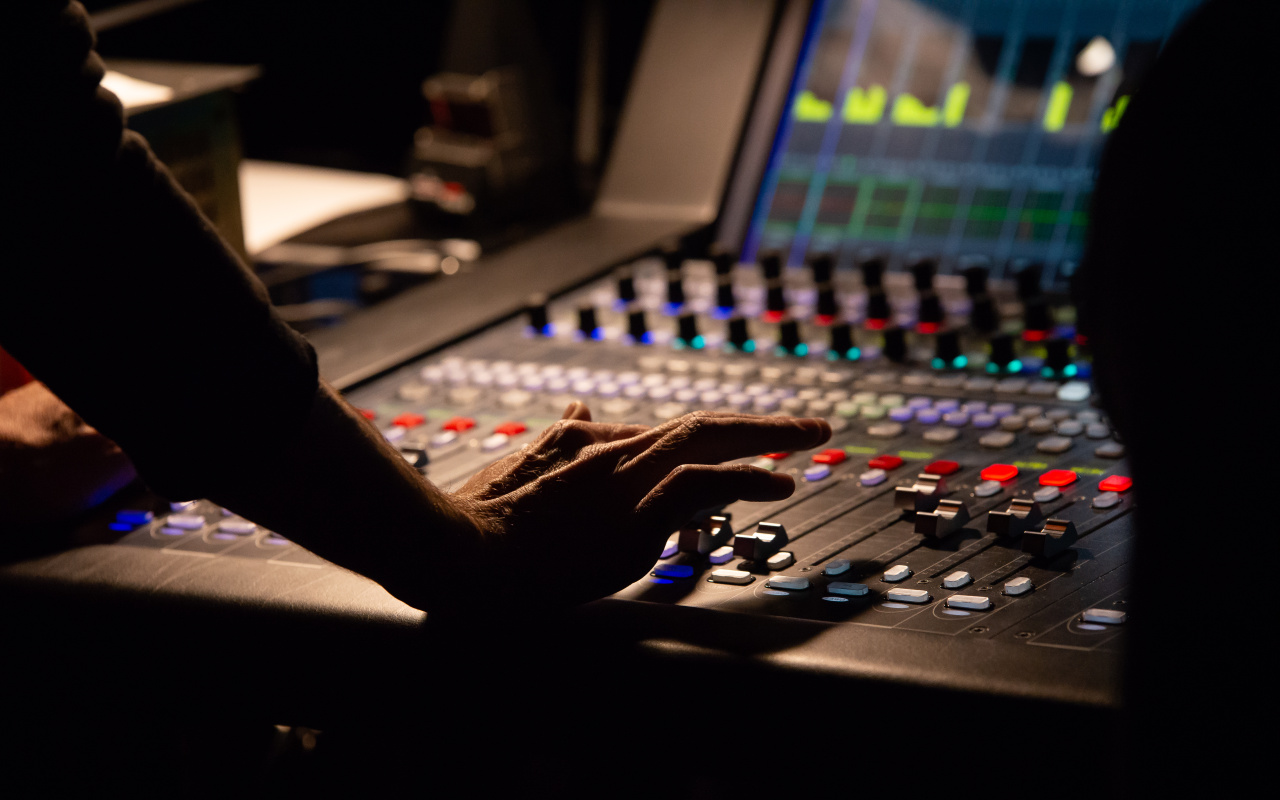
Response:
column 963, row 130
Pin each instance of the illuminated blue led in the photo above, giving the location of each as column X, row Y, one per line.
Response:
column 598, row 334
column 132, row 517
column 722, row 312
column 647, row 338
column 549, row 329
column 123, row 527
column 672, row 308
column 661, row 580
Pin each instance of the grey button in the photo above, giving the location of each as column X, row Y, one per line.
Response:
column 1109, row 450
column 972, row 602
column 1106, row 500
column 885, row 430
column 1097, row 430
column 838, row 566
column 1069, row 427
column 957, row 579
column 980, row 384
column 917, row 379
column 987, row 488
column 1046, row 494
column 1054, row 444
column 1011, row 386
column 941, row 435
column 897, row 573
column 1018, row 586
column 735, row 577
column 997, row 440
column 1031, row 411
column 1058, row 414
column 907, row 595
column 1013, row 423
column 880, row 378
column 788, row 582
column 1106, row 616
column 1043, row 389
column 1074, row 391
column 948, row 381
column 1088, row 417
column 1040, row 425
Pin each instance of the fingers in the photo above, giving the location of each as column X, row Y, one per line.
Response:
column 693, row 488
column 710, row 438
column 577, row 410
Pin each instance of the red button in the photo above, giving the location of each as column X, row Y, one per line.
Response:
column 1000, row 472
column 885, row 462
column 510, row 428
column 1058, row 477
column 942, row 468
column 409, row 420
column 367, row 414
column 459, row 424
column 775, row 456
column 1115, row 483
column 831, row 456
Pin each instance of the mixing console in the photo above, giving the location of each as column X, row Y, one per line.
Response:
column 971, row 487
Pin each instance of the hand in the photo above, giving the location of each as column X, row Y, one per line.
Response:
column 52, row 464
column 586, row 509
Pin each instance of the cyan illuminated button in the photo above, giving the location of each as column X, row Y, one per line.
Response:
column 1106, row 500
column 736, row 577
column 1109, row 450
column 987, row 488
column 969, row 602
column 1042, row 388
column 1074, row 391
column 241, row 527
column 817, row 472
column 996, row 440
column 1054, row 445
column 897, row 573
column 781, row 560
column 907, row 595
column 1104, row 616
column 1018, row 586
column 957, row 579
column 186, row 522
column 673, row 571
column 873, row 477
column 847, row 588
column 1046, row 494
column 838, row 566
column 494, row 442
column 885, row 430
column 134, row 517
column 941, row 435
column 789, row 582
column 721, row 555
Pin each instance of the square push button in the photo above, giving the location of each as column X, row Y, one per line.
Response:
column 1058, row 477
column 941, row 467
column 885, row 462
column 1000, row 472
column 831, row 456
column 1115, row 483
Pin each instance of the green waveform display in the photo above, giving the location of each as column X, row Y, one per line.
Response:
column 866, row 106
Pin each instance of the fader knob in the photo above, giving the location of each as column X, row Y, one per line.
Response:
column 789, row 338
column 687, row 330
column 984, row 318
column 626, row 286
column 828, row 307
column 1057, row 359
column 878, row 311
column 922, row 273
column 975, row 281
column 537, row 315
column 740, row 335
column 947, row 353
column 931, row 313
column 775, row 301
column 822, row 266
column 1003, row 354
column 771, row 264
column 895, row 345
column 722, row 258
column 1037, row 319
column 1028, row 281
column 842, row 345
column 872, row 273
column 587, row 322
column 725, row 301
column 675, row 288
column 638, row 327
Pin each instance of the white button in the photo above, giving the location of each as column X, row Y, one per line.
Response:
column 735, row 576
column 789, row 582
column 972, row 602
column 957, row 579
column 908, row 595
column 617, row 407
column 240, row 526
column 765, row 463
column 186, row 522
column 885, row 430
column 898, row 572
column 941, row 435
column 671, row 547
column 837, row 567
column 997, row 440
column 1074, row 391
column 845, row 587
column 1106, row 616
column 1018, row 586
column 1046, row 494
column 393, row 434
column 181, row 505
column 1106, row 500
column 494, row 442
column 987, row 488
column 781, row 560
column 721, row 555
column 873, row 477
column 668, row 411
column 516, row 398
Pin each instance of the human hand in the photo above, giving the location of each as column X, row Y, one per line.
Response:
column 586, row 509
column 52, row 464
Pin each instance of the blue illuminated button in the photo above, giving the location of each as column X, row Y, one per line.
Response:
column 1001, row 410
column 121, row 527
column 929, row 416
column 673, row 571
column 872, row 477
column 134, row 517
column 919, row 402
column 817, row 472
column 671, row 547
column 902, row 413
column 721, row 555
column 947, row 405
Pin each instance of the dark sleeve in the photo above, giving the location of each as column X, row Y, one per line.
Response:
column 114, row 289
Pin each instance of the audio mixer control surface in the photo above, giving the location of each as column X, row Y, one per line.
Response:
column 972, row 488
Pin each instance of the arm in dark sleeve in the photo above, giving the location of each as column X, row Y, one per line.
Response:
column 115, row 290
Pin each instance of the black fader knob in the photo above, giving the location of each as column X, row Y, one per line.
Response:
column 722, row 257
column 771, row 265
column 828, row 306
column 895, row 345
column 1037, row 319
column 922, row 273
column 725, row 300
column 675, row 288
column 1057, row 357
column 789, row 338
column 638, row 327
column 626, row 286
column 740, row 335
column 975, row 281
column 687, row 330
column 1003, row 354
column 822, row 266
column 947, row 353
column 1028, row 281
column 536, row 313
column 775, row 300
column 931, row 313
column 587, row 324
column 878, row 311
column 872, row 273
column 984, row 318
column 842, row 344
